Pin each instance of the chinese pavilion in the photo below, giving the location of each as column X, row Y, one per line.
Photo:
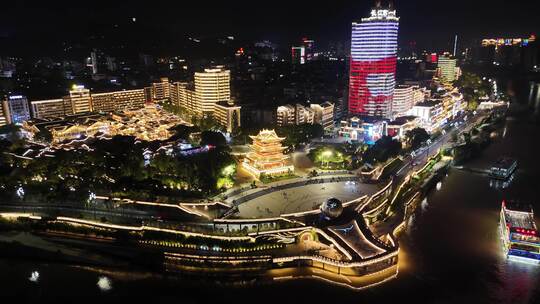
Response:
column 267, row 155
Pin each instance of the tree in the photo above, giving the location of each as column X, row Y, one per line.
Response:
column 299, row 134
column 183, row 132
column 213, row 138
column 11, row 132
column 473, row 88
column 44, row 135
column 207, row 123
column 416, row 137
column 382, row 150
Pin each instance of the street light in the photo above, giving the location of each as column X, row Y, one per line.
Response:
column 20, row 192
column 90, row 201
column 327, row 154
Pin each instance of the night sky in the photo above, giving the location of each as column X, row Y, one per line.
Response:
column 432, row 24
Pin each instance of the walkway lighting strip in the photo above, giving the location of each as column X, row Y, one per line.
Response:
column 302, row 229
column 149, row 228
column 370, row 212
column 363, row 238
column 336, row 263
column 343, row 284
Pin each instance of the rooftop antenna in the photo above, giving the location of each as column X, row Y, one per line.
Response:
column 455, row 45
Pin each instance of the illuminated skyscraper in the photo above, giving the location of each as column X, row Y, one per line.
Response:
column 17, row 109
column 78, row 101
column 212, row 86
column 447, row 67
column 373, row 63
column 298, row 54
column 402, row 101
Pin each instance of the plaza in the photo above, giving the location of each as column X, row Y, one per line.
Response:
column 300, row 196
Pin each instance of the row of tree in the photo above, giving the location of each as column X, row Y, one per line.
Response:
column 473, row 87
column 114, row 167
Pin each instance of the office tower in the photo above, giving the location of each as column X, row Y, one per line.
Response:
column 16, row 109
column 48, row 108
column 403, row 100
column 294, row 115
column 447, row 67
column 78, row 100
column 92, row 62
column 303, row 115
column 285, row 115
column 309, row 47
column 212, row 86
column 324, row 114
column 3, row 116
column 118, row 101
column 420, row 94
column 228, row 115
column 373, row 63
column 161, row 90
column 183, row 95
column 298, row 55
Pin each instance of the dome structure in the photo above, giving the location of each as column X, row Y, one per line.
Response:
column 332, row 208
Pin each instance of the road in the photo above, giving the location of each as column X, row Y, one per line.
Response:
column 421, row 158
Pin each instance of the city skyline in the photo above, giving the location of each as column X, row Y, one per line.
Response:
column 429, row 25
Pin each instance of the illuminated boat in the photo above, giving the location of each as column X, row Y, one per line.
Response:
column 520, row 238
column 503, row 168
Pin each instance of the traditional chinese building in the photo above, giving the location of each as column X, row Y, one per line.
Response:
column 267, row 155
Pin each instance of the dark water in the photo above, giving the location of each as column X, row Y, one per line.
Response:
column 450, row 252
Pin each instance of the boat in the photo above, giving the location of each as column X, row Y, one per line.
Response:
column 519, row 235
column 503, row 168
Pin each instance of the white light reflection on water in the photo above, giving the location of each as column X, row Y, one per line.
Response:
column 34, row 277
column 424, row 204
column 104, row 284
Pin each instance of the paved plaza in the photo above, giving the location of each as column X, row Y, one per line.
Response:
column 302, row 198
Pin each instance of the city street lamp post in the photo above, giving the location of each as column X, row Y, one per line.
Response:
column 327, row 154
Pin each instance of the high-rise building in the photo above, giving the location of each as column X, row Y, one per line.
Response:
column 3, row 116
column 161, row 90
column 420, row 94
column 447, row 67
column 118, row 101
column 228, row 115
column 309, row 46
column 403, row 100
column 210, row 94
column 298, row 55
column 430, row 114
column 324, row 114
column 304, row 115
column 373, row 63
column 49, row 108
column 294, row 115
column 81, row 100
column 78, row 100
column 16, row 109
column 285, row 115
column 212, row 86
column 183, row 95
